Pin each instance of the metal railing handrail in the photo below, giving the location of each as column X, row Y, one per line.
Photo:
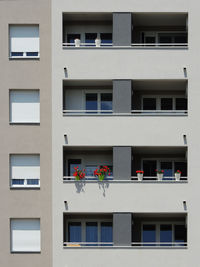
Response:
column 141, row 45
column 159, row 44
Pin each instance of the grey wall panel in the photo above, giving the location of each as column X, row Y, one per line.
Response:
column 122, row 163
column 122, row 28
column 122, row 229
column 122, row 95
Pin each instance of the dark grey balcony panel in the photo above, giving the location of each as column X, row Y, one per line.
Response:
column 122, row 163
column 122, row 94
column 122, row 229
column 122, row 29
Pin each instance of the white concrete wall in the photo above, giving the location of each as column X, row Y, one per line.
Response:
column 135, row 131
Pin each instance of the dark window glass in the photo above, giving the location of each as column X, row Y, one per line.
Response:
column 150, row 40
column 166, row 104
column 180, row 39
column 149, row 234
column 91, row 102
column 74, row 232
column 149, row 103
column 90, row 38
column 91, row 233
column 180, row 235
column 165, row 39
column 33, row 181
column 106, row 38
column 32, row 54
column 149, row 167
column 181, row 104
column 18, row 181
column 106, row 232
column 106, row 101
column 71, row 164
column 167, row 168
column 72, row 37
column 166, row 234
column 182, row 166
column 17, row 54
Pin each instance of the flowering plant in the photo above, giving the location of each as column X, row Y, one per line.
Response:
column 101, row 172
column 139, row 171
column 159, row 171
column 178, row 171
column 79, row 174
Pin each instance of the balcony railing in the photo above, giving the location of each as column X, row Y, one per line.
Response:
column 21, row 182
column 133, row 245
column 133, row 45
column 134, row 179
column 133, row 113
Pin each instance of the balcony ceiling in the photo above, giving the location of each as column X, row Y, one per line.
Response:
column 87, row 17
column 160, row 85
column 160, row 150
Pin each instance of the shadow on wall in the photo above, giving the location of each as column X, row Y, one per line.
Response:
column 103, row 186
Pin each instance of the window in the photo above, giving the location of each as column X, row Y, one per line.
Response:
column 167, row 165
column 164, row 103
column 25, row 235
column 72, row 37
column 164, row 37
column 90, row 38
column 24, row 41
column 24, row 106
column 106, row 38
column 98, row 101
column 25, row 170
column 90, row 232
column 166, row 233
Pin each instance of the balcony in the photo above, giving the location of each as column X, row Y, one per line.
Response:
column 127, row 230
column 125, row 30
column 125, row 97
column 157, row 164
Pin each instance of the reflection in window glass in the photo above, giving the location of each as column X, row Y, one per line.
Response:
column 167, row 168
column 91, row 101
column 74, row 232
column 149, row 234
column 106, row 101
column 166, row 234
column 90, row 38
column 91, row 232
column 106, row 232
column 106, row 38
column 180, row 235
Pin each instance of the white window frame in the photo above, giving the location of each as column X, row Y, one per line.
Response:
column 98, row 92
column 156, row 34
column 158, row 100
column 24, row 56
column 157, row 224
column 25, row 185
column 158, row 162
column 83, row 227
column 10, row 107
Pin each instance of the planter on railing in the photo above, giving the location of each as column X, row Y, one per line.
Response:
column 160, row 174
column 77, row 42
column 79, row 174
column 177, row 175
column 102, row 172
column 140, row 175
column 98, row 42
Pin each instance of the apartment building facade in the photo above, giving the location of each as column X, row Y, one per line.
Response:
column 88, row 84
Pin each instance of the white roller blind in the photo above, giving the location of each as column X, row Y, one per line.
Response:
column 25, row 106
column 25, row 166
column 24, row 38
column 25, row 235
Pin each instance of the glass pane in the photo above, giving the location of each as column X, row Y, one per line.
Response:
column 74, row 232
column 180, row 39
column 167, row 168
column 181, row 104
column 106, row 232
column 90, row 38
column 91, row 233
column 149, row 167
column 182, row 166
column 150, row 40
column 91, row 101
column 166, row 234
column 89, row 170
column 72, row 37
column 165, row 39
column 32, row 54
column 106, row 38
column 106, row 101
column 149, row 103
column 149, row 234
column 180, row 235
column 33, row 181
column 17, row 54
column 166, row 104
column 17, row 181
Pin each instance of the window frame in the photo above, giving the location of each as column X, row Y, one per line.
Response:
column 98, row 92
column 83, row 228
